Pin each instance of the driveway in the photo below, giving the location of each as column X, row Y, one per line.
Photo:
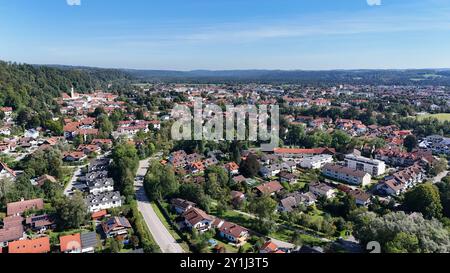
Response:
column 74, row 183
column 438, row 178
column 159, row 232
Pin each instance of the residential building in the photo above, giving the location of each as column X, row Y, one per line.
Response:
column 6, row 172
column 181, row 205
column 198, row 219
column 315, row 162
column 373, row 167
column 269, row 188
column 402, row 180
column 101, row 185
column 270, row 170
column 345, row 174
column 70, row 243
column 116, row 227
column 269, row 247
column 44, row 179
column 89, row 242
column 230, row 231
column 41, row 223
column 294, row 200
column 30, row 246
column 10, row 234
column 362, row 198
column 438, row 144
column 287, row 177
column 321, row 189
column 17, row 208
column 232, row 168
column 106, row 200
column 291, row 153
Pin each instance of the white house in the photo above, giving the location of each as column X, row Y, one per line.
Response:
column 342, row 173
column 198, row 219
column 5, row 131
column 232, row 232
column 107, row 200
column 101, row 185
column 372, row 166
column 316, row 162
column 321, row 189
column 6, row 172
column 31, row 133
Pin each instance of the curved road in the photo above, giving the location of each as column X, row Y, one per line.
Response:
column 159, row 232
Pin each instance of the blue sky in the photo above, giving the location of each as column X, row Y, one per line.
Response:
column 228, row 34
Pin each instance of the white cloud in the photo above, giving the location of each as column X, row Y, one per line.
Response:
column 73, row 2
column 374, row 2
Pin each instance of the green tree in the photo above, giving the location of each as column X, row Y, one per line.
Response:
column 160, row 181
column 250, row 167
column 340, row 140
column 55, row 127
column 104, row 125
column 125, row 161
column 439, row 166
column 424, row 199
column 410, row 143
column 72, row 211
column 444, row 190
column 403, row 243
column 264, row 209
column 431, row 235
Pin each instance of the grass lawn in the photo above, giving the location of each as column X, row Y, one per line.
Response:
column 67, row 174
column 54, row 236
column 284, row 234
column 238, row 218
column 170, row 229
column 229, row 248
column 441, row 117
column 307, row 176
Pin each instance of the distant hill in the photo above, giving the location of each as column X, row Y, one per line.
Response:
column 332, row 77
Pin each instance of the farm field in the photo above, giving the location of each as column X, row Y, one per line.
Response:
column 440, row 117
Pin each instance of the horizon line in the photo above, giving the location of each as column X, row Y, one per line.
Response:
column 231, row 69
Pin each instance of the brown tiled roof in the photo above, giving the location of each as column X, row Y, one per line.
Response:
column 182, row 203
column 270, row 187
column 305, row 151
column 195, row 215
column 6, row 168
column 344, row 170
column 12, row 221
column 22, row 206
column 10, row 234
column 232, row 229
column 360, row 195
column 44, row 178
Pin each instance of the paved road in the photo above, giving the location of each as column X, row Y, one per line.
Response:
column 439, row 177
column 159, row 232
column 70, row 185
column 77, row 173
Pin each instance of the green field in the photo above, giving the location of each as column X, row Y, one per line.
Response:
column 440, row 117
